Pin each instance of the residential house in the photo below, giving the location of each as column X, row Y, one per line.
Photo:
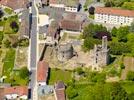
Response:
column 114, row 16
column 59, row 91
column 12, row 93
column 68, row 5
column 42, row 73
column 53, row 33
column 16, row 5
column 72, row 22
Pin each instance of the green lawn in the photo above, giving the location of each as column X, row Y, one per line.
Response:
column 56, row 75
column 129, row 87
column 13, row 77
column 8, row 11
column 9, row 62
column 7, row 28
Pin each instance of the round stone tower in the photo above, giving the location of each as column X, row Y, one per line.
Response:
column 65, row 51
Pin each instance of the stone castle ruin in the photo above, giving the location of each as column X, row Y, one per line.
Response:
column 65, row 52
column 100, row 55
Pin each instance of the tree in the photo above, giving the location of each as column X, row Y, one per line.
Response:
column 7, row 43
column 23, row 42
column 131, row 29
column 118, row 93
column 14, row 26
column 91, row 10
column 122, row 34
column 24, row 73
column 89, row 43
column 114, row 31
column 71, row 92
column 128, row 5
column 118, row 48
column 1, row 13
column 79, row 71
column 130, row 76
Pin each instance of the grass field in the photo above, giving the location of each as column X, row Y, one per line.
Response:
column 8, row 11
column 9, row 62
column 129, row 87
column 7, row 28
column 56, row 75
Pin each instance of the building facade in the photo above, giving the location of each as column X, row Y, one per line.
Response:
column 114, row 16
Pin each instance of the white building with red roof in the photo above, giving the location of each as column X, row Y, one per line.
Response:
column 16, row 92
column 42, row 73
column 114, row 16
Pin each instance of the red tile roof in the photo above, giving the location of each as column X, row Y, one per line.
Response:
column 71, row 25
column 14, row 4
column 114, row 11
column 42, row 71
column 20, row 90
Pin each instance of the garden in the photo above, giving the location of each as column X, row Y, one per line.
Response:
column 15, row 77
column 59, row 75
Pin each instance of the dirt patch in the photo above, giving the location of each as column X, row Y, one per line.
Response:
column 48, row 97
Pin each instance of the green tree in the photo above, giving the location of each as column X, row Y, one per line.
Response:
column 128, row 5
column 24, row 73
column 131, row 29
column 118, row 48
column 122, row 34
column 118, row 93
column 7, row 43
column 130, row 76
column 71, row 92
column 79, row 71
column 114, row 31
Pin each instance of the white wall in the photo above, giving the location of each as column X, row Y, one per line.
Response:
column 113, row 19
column 41, row 83
column 57, row 5
column 71, row 9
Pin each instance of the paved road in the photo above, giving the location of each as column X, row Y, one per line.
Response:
column 33, row 50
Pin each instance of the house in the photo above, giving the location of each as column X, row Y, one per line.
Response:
column 16, row 92
column 42, row 73
column 72, row 22
column 16, row 5
column 53, row 33
column 114, row 16
column 68, row 5
column 59, row 91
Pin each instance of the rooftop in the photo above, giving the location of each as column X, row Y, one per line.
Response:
column 66, row 2
column 60, row 90
column 14, row 4
column 42, row 71
column 20, row 90
column 114, row 11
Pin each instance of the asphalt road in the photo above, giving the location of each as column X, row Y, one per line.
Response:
column 33, row 50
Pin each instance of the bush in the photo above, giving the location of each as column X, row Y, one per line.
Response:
column 122, row 66
column 79, row 71
column 24, row 73
column 14, row 26
column 91, row 10
column 130, row 76
column 71, row 92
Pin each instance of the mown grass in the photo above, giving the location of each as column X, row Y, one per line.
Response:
column 8, row 62
column 57, row 75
